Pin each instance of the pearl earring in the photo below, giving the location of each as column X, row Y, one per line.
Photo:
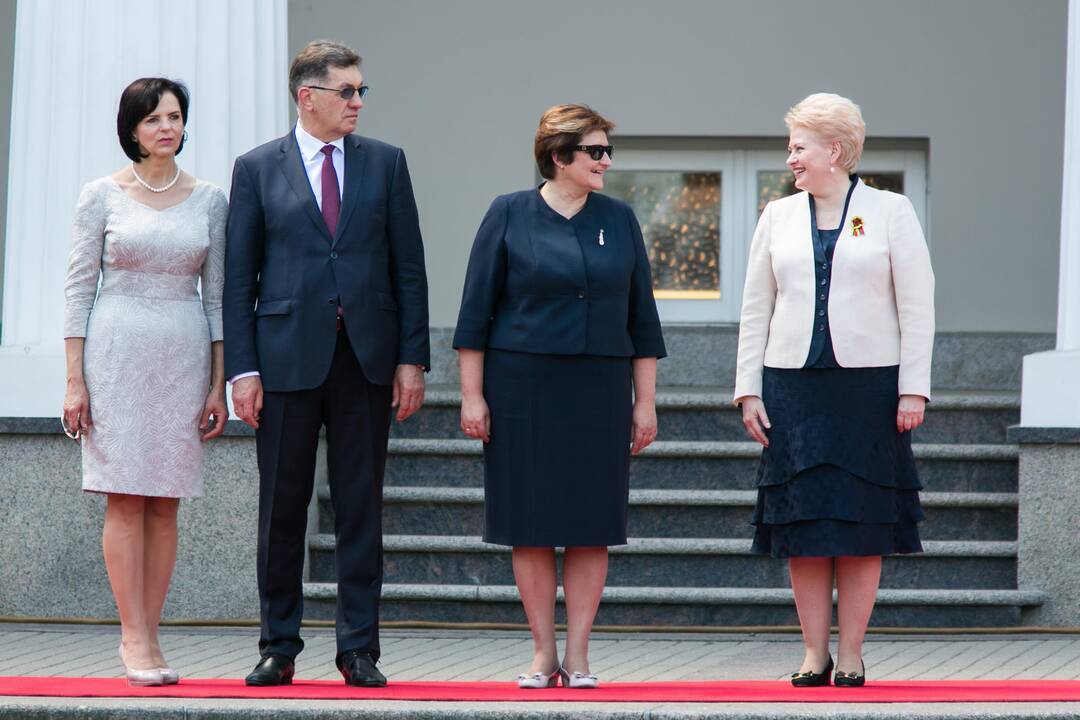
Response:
column 832, row 168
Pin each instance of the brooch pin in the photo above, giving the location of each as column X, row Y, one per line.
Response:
column 857, row 228
column 601, row 240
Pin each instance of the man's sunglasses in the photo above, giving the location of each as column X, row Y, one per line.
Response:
column 597, row 151
column 345, row 93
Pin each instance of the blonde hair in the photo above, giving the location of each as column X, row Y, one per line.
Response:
column 835, row 119
column 561, row 128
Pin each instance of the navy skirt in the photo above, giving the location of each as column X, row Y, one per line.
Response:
column 837, row 478
column 557, row 468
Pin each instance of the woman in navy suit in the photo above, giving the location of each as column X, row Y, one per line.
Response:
column 558, row 338
column 835, row 342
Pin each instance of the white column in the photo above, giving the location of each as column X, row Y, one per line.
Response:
column 72, row 60
column 1051, row 381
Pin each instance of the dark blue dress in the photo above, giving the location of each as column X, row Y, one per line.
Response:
column 560, row 308
column 837, row 478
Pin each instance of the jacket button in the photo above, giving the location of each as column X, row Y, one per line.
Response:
column 333, row 256
column 821, row 313
column 822, row 296
column 581, row 294
column 824, row 281
column 821, row 328
column 331, row 301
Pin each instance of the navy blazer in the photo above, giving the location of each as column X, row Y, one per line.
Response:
column 284, row 272
column 540, row 283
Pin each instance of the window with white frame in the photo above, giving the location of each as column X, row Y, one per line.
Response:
column 698, row 201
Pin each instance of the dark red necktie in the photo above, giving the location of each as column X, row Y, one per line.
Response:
column 331, row 196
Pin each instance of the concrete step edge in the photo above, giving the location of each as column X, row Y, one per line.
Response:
column 695, row 498
column 658, row 546
column 716, row 397
column 710, row 448
column 691, row 596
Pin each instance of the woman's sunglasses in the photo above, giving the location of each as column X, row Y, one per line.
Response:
column 597, row 151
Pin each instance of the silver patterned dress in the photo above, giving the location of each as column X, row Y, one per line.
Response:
column 148, row 333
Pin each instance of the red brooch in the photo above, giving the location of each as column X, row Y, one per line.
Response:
column 857, row 226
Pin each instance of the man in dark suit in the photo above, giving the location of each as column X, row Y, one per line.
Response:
column 326, row 324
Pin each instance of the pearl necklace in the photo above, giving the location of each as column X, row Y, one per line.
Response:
column 152, row 189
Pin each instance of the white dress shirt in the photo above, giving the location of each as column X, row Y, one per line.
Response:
column 311, row 151
column 312, row 154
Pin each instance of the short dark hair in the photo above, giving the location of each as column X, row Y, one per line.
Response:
column 139, row 100
column 561, row 128
column 315, row 59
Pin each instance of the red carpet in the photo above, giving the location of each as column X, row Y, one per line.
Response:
column 653, row 692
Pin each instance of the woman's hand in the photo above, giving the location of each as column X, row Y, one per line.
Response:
column 77, row 407
column 909, row 413
column 215, row 408
column 475, row 419
column 644, row 426
column 755, row 419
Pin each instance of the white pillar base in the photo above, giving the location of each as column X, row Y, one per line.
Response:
column 1051, row 395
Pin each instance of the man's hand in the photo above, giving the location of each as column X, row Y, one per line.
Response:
column 247, row 398
column 408, row 390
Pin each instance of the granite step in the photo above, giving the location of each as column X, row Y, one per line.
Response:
column 703, row 465
column 688, row 413
column 676, row 513
column 685, row 606
column 659, row 562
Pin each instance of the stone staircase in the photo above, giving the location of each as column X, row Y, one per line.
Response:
column 688, row 560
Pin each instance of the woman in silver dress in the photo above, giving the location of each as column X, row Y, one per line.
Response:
column 145, row 384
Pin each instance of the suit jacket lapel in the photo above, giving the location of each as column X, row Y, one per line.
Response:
column 355, row 159
column 292, row 166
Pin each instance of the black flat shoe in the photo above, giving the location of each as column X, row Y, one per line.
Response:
column 846, row 679
column 813, row 679
column 358, row 669
column 272, row 670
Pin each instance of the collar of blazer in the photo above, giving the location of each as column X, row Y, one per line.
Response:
column 292, row 166
column 864, row 205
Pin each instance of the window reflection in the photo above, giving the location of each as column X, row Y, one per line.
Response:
column 775, row 184
column 679, row 214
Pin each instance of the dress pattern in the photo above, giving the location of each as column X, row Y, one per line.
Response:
column 146, row 359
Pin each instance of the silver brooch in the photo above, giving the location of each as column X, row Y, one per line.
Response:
column 601, row 236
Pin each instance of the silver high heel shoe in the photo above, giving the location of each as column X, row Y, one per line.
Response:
column 169, row 676
column 578, row 681
column 539, row 680
column 140, row 678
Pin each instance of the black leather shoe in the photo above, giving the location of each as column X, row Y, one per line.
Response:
column 272, row 670
column 813, row 679
column 846, row 679
column 358, row 668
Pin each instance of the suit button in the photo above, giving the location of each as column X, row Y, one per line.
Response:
column 822, row 296
column 824, row 281
column 821, row 328
column 333, row 256
column 581, row 294
column 821, row 313
column 331, row 301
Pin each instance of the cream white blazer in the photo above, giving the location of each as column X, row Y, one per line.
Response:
column 881, row 300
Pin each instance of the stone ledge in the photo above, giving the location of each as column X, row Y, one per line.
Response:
column 51, row 426
column 692, row 595
column 658, row 546
column 697, row 498
column 1022, row 435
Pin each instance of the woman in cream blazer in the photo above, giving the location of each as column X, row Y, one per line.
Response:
column 835, row 342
